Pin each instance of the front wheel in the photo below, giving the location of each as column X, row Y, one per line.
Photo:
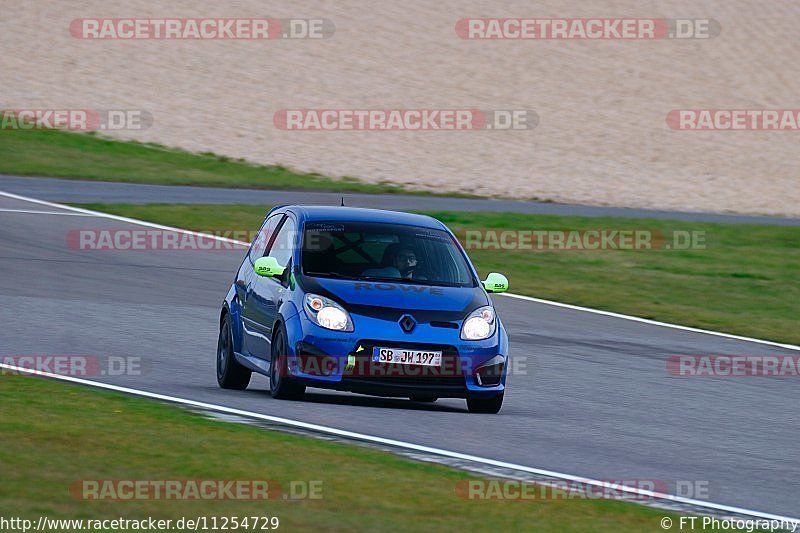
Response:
column 491, row 404
column 281, row 386
column 230, row 374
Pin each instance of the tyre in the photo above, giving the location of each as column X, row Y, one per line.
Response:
column 230, row 374
column 423, row 398
column 491, row 404
column 281, row 386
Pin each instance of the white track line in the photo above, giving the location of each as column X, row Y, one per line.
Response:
column 651, row 322
column 408, row 446
column 61, row 213
column 100, row 214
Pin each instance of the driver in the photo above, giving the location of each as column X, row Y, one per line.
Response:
column 399, row 261
column 405, row 261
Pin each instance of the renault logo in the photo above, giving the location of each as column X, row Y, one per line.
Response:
column 408, row 323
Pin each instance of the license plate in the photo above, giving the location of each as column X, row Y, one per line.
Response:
column 406, row 357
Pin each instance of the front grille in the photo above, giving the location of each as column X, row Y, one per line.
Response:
column 449, row 375
column 410, row 382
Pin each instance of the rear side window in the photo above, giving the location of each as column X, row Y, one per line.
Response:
column 264, row 235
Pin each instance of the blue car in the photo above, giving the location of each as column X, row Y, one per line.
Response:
column 363, row 300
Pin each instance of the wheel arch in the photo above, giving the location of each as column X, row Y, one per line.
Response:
column 223, row 313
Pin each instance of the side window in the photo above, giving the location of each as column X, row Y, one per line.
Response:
column 283, row 245
column 262, row 239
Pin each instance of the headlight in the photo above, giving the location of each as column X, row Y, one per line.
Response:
column 480, row 324
column 328, row 314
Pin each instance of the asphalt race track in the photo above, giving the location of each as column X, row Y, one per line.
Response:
column 83, row 191
column 591, row 397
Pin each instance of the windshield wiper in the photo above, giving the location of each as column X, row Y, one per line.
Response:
column 328, row 275
column 425, row 282
column 408, row 281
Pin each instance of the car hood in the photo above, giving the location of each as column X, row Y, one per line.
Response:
column 399, row 296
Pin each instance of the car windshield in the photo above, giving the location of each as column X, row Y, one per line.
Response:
column 374, row 251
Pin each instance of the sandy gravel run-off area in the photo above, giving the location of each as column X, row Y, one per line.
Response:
column 602, row 136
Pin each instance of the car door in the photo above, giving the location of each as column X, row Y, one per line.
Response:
column 265, row 295
column 252, row 341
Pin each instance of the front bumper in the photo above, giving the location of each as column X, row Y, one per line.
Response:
column 343, row 361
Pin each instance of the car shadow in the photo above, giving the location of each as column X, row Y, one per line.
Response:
column 357, row 400
column 377, row 401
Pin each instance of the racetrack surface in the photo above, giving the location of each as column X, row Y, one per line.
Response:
column 81, row 191
column 594, row 397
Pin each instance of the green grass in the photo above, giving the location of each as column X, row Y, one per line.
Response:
column 64, row 154
column 54, row 434
column 746, row 281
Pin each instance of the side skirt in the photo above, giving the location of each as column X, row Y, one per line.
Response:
column 253, row 363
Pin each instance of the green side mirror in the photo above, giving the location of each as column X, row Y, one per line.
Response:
column 268, row 267
column 495, row 282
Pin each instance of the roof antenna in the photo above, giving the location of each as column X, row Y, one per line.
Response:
column 342, row 201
